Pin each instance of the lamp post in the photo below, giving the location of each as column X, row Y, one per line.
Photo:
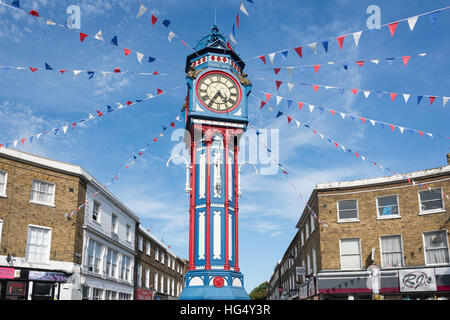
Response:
column 187, row 189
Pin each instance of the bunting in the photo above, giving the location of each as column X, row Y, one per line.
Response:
column 232, row 35
column 339, row 40
column 134, row 156
column 98, row 113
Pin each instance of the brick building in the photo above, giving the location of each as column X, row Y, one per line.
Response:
column 380, row 237
column 159, row 273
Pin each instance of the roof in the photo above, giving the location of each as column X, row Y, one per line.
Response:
column 65, row 168
column 153, row 237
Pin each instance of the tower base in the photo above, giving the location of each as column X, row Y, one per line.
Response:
column 214, row 285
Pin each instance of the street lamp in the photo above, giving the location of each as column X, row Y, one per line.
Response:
column 187, row 187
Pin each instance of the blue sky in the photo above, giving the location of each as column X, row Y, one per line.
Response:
column 31, row 103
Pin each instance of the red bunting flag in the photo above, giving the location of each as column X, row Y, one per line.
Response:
column 341, row 41
column 74, row 124
column 263, row 58
column 127, row 166
column 421, row 133
column 360, row 63
column 83, row 36
column 300, row 105
column 228, row 45
column 405, row 60
column 154, row 19
column 155, row 73
column 172, row 124
column 154, row 140
column 336, row 144
column 62, row 71
column 140, row 153
column 262, row 105
column 432, row 100
column 355, row 91
column 299, row 51
column 159, row 91
column 289, row 119
column 127, row 51
column 34, row 13
column 33, row 69
column 356, row 154
column 23, row 140
column 332, row 112
column 314, row 131
column 316, row 67
column 392, row 27
column 117, row 70
column 129, row 103
column 315, row 87
column 363, row 120
column 268, row 95
column 278, row 84
column 237, row 20
column 276, row 70
column 99, row 113
column 393, row 95
column 392, row 127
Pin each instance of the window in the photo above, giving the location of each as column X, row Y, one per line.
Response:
column 124, row 296
column 302, row 238
column 431, row 201
column 314, row 258
column 128, row 234
column 3, row 178
column 312, row 223
column 306, row 230
column 436, row 247
column 38, row 244
column 147, row 247
column 94, row 256
column 1, row 227
column 97, row 294
column 147, row 278
column 140, row 243
column 387, row 206
column 156, row 287
column 308, row 263
column 43, row 192
column 156, row 254
column 139, row 276
column 162, row 257
column 125, row 269
column 110, row 295
column 347, row 210
column 85, row 292
column 114, row 223
column 391, row 251
column 111, row 263
column 96, row 212
column 350, row 254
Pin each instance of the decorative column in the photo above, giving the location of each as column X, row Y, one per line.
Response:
column 236, row 208
column 208, row 141
column 191, row 265
column 227, row 202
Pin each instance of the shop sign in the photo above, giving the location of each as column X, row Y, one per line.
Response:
column 143, row 294
column 416, row 280
column 6, row 273
column 47, row 276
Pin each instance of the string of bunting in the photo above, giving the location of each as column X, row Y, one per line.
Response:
column 236, row 24
column 15, row 4
column 355, row 91
column 392, row 26
column 143, row 9
column 346, row 64
column 286, row 174
column 135, row 156
column 343, row 115
column 98, row 114
column 91, row 73
column 357, row 154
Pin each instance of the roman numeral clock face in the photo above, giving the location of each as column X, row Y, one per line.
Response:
column 218, row 91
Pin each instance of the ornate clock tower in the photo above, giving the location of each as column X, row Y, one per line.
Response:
column 216, row 116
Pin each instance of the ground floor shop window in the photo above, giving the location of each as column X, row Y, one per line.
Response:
column 15, row 290
column 85, row 292
column 97, row 294
column 43, row 290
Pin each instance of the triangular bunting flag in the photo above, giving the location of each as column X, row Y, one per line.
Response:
column 311, row 107
column 432, row 100
column 139, row 56
column 313, row 46
column 360, row 63
column 392, row 27
column 355, row 91
column 262, row 105
column 279, row 100
column 82, row 36
column 278, row 84
column 406, row 97
column 114, row 41
column 126, row 51
column 279, row 114
column 99, row 36
column 277, row 70
column 154, row 19
column 340, row 41
column 272, row 57
column 315, row 87
column 289, row 119
column 263, row 58
column 412, row 22
column 445, row 100
column 405, row 60
column 393, row 95
column 300, row 105
column 366, row 93
column 299, row 51
column 268, row 95
column 356, row 36
column 290, row 86
column 242, row 8
column 141, row 11
column 316, row 68
column 325, row 45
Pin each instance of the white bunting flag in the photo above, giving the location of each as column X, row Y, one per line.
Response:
column 298, row 123
column 412, row 22
column 65, row 128
column 271, row 57
column 313, row 46
column 242, row 8
column 76, row 72
column 99, row 36
column 366, row 93
column 290, row 70
column 149, row 95
column 171, row 35
column 91, row 116
column 232, row 38
column 406, row 97
column 343, row 148
column 270, row 109
column 328, row 87
column 321, row 135
column 290, row 86
column 279, row 100
column 372, row 122
column 139, row 56
column 401, row 129
column 356, row 37
column 363, row 158
column 178, row 118
column 445, row 100
column 50, row 22
column 119, row 105
column 375, row 61
column 141, row 11
column 431, row 135
column 104, row 73
column 331, row 62
column 15, row 143
column 422, row 54
column 38, row 135
column 311, row 107
column 342, row 115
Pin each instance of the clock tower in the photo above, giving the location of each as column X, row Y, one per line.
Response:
column 216, row 115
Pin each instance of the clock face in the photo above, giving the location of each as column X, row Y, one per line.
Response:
column 218, row 91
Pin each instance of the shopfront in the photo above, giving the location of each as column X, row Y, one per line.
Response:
column 27, row 284
column 144, row 294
